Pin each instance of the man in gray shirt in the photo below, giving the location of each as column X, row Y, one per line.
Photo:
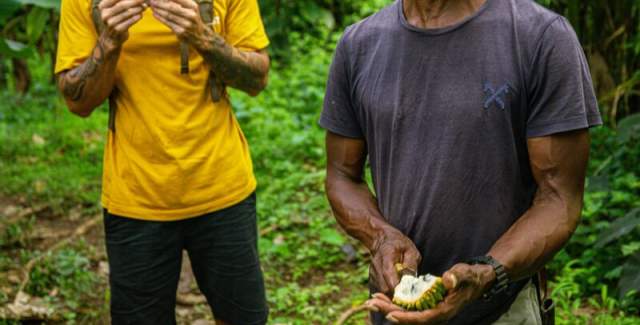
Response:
column 474, row 117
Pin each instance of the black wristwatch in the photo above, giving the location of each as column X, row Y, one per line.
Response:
column 502, row 280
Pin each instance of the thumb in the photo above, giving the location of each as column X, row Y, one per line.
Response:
column 451, row 280
column 411, row 259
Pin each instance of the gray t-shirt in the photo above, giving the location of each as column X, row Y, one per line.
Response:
column 446, row 114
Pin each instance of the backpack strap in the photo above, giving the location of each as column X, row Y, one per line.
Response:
column 206, row 14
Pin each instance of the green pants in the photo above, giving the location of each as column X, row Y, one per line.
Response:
column 525, row 310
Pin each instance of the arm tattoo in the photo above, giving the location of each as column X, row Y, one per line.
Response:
column 73, row 83
column 239, row 69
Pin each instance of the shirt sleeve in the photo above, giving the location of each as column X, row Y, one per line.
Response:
column 243, row 25
column 77, row 35
column 338, row 114
column 561, row 95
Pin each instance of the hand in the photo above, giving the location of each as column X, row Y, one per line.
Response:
column 117, row 17
column 390, row 249
column 464, row 283
column 182, row 16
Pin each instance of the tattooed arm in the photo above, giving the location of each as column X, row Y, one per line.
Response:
column 244, row 70
column 89, row 84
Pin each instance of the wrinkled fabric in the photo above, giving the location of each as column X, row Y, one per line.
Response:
column 176, row 154
column 446, row 114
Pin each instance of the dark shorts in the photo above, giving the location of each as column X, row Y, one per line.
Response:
column 145, row 259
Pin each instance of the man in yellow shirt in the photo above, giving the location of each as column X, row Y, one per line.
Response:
column 177, row 170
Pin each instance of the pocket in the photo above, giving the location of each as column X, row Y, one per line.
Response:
column 524, row 309
column 121, row 230
column 245, row 207
column 110, row 222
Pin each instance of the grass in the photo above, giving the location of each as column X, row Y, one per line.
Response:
column 313, row 271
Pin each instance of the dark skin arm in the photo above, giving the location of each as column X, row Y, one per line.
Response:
column 90, row 83
column 243, row 70
column 558, row 163
column 356, row 210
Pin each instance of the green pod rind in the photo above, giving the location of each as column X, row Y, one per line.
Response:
column 430, row 298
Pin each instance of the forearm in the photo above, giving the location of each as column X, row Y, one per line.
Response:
column 88, row 85
column 356, row 209
column 558, row 163
column 535, row 238
column 239, row 69
column 538, row 235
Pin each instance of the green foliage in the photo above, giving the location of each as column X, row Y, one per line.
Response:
column 619, row 228
column 313, row 270
column 15, row 233
column 47, row 156
column 604, row 249
column 628, row 128
column 316, row 19
column 14, row 49
column 66, row 270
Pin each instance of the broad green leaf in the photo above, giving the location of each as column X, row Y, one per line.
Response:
column 48, row 4
column 630, row 279
column 14, row 49
column 315, row 14
column 7, row 9
column 629, row 127
column 630, row 248
column 37, row 20
column 619, row 228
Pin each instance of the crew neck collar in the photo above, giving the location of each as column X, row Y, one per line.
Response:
column 439, row 30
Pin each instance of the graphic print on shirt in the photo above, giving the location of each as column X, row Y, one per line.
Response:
column 496, row 96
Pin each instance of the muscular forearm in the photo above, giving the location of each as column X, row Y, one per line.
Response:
column 537, row 236
column 89, row 84
column 558, row 164
column 239, row 69
column 356, row 209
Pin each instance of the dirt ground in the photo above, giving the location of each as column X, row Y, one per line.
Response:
column 45, row 229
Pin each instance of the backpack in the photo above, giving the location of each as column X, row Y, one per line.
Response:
column 206, row 14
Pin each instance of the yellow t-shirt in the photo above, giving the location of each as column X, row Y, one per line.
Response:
column 175, row 153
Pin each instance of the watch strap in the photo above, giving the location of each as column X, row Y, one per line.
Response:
column 502, row 279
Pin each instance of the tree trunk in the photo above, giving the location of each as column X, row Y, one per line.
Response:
column 21, row 75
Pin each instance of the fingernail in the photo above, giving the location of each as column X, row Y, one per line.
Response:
column 454, row 281
column 391, row 318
